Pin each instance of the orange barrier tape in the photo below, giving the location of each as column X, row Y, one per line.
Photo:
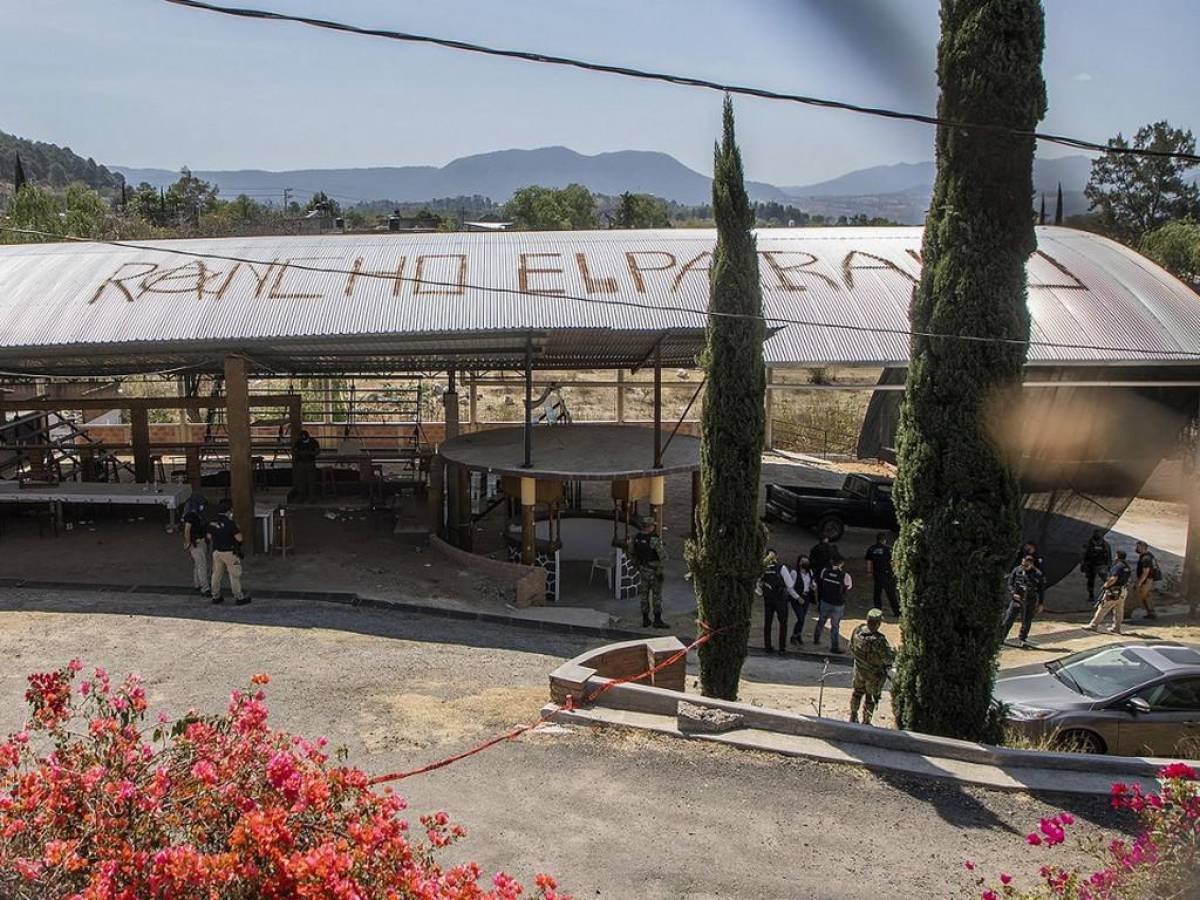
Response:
column 545, row 717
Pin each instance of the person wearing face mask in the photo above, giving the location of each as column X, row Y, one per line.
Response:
column 806, row 587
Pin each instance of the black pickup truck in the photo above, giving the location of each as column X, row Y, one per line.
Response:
column 862, row 500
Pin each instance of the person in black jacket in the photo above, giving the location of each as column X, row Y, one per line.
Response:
column 1097, row 560
column 778, row 586
column 1024, row 588
column 879, row 567
column 833, row 584
column 226, row 538
column 822, row 554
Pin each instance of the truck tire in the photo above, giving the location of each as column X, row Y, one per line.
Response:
column 830, row 526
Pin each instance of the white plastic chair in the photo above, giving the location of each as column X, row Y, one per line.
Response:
column 604, row 564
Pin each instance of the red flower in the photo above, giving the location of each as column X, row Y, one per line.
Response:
column 1178, row 770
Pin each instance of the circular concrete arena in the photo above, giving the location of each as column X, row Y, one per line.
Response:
column 574, row 452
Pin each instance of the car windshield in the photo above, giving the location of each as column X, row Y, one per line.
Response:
column 1103, row 673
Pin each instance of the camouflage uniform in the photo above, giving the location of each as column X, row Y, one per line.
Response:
column 872, row 655
column 650, row 572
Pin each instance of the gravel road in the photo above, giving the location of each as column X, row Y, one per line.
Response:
column 611, row 813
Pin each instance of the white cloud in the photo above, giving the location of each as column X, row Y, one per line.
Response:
column 1083, row 76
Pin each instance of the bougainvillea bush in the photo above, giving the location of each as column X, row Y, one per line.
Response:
column 95, row 802
column 1162, row 862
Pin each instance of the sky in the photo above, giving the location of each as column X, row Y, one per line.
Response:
column 145, row 83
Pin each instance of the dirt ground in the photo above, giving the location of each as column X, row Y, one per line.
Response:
column 612, row 814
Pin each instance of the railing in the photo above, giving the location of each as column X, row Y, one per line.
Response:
column 813, row 439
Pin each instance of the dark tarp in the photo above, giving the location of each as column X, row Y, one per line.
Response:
column 1084, row 452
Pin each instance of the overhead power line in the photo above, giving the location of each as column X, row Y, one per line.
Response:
column 603, row 301
column 682, row 80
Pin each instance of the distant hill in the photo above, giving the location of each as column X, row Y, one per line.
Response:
column 52, row 165
column 496, row 175
column 901, row 191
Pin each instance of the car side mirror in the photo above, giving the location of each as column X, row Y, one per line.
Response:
column 1137, row 705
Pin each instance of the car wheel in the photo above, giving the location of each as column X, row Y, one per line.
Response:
column 831, row 527
column 1079, row 740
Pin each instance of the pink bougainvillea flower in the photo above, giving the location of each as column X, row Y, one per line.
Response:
column 1178, row 770
column 1005, row 878
column 969, row 866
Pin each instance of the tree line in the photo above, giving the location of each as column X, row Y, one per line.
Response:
column 1149, row 203
column 53, row 165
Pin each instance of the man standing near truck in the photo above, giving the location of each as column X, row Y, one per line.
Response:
column 879, row 567
column 832, row 586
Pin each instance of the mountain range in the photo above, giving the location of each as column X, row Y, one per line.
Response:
column 899, row 192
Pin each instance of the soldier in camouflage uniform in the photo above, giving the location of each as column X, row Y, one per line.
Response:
column 872, row 655
column 649, row 554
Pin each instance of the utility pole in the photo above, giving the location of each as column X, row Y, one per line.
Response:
column 287, row 193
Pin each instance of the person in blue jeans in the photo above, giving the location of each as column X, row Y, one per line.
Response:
column 833, row 584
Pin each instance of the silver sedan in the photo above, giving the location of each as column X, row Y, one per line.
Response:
column 1130, row 698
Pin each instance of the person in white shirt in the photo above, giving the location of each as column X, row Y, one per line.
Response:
column 804, row 583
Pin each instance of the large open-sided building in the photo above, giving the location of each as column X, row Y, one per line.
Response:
column 1114, row 363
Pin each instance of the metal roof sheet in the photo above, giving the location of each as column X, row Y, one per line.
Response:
column 587, row 299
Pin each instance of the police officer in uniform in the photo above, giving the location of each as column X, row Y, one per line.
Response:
column 822, row 554
column 872, row 655
column 1097, row 561
column 1115, row 590
column 832, row 586
column 226, row 539
column 879, row 566
column 649, row 554
column 1025, row 585
column 195, row 540
column 778, row 587
column 304, row 466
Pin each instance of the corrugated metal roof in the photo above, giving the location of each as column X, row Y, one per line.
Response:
column 71, row 306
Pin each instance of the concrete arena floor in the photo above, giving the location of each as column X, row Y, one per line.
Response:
column 612, row 814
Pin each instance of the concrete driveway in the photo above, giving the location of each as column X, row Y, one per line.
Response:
column 612, row 814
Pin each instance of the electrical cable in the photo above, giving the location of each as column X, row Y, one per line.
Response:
column 662, row 307
column 682, row 80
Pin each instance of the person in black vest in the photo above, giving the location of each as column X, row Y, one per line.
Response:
column 1030, row 548
column 778, row 587
column 1097, row 561
column 195, row 540
column 1145, row 574
column 1116, row 588
column 833, row 584
column 805, row 584
column 879, row 567
column 822, row 554
column 1025, row 584
column 226, row 540
column 304, row 466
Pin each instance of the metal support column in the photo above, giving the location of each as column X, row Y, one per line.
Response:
column 658, row 406
column 769, row 435
column 241, row 467
column 450, row 404
column 435, row 495
column 528, row 464
column 139, row 429
column 528, row 533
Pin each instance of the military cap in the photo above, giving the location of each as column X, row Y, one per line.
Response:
column 874, row 613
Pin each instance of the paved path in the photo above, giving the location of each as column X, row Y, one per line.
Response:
column 613, row 814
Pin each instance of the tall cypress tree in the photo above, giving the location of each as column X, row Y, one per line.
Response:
column 1058, row 208
column 957, row 498
column 726, row 556
column 1042, row 213
column 18, row 176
